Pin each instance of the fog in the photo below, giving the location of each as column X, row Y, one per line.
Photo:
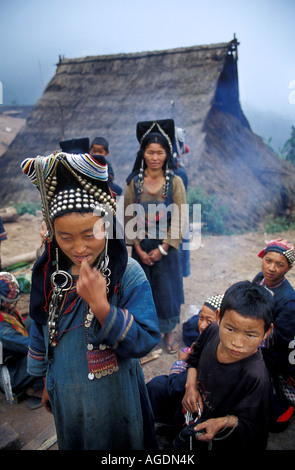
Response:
column 34, row 33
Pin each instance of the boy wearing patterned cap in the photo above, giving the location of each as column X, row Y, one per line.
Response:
column 193, row 327
column 277, row 260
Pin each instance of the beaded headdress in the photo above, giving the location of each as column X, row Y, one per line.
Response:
column 70, row 183
column 214, row 301
column 9, row 287
column 165, row 127
column 284, row 247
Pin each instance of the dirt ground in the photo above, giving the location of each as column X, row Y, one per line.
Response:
column 216, row 263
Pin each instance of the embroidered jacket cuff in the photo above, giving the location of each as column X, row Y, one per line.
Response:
column 116, row 327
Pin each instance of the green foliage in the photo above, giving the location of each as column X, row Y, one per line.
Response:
column 288, row 150
column 211, row 211
column 268, row 143
column 279, row 224
column 24, row 282
column 27, row 207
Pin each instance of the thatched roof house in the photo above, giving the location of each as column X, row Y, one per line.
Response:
column 197, row 86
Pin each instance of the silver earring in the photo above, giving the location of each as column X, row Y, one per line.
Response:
column 62, row 282
column 140, row 177
column 103, row 268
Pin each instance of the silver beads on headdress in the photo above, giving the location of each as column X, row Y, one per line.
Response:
column 289, row 254
column 214, row 302
column 42, row 171
column 70, row 200
column 281, row 246
column 159, row 129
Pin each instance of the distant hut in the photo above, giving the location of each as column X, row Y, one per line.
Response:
column 197, row 86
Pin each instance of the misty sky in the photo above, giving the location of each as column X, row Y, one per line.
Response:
column 34, row 33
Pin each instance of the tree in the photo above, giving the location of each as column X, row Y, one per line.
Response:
column 288, row 151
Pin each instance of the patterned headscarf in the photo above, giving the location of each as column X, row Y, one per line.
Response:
column 9, row 295
column 284, row 247
column 9, row 288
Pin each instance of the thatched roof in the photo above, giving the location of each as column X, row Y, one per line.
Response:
column 197, row 86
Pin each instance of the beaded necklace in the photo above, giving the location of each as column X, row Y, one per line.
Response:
column 167, row 175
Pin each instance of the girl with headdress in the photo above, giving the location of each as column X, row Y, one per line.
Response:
column 92, row 311
column 155, row 198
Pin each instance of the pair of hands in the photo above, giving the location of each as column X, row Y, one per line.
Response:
column 152, row 257
column 192, row 402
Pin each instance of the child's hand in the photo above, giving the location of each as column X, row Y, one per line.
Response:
column 192, row 400
column 213, row 426
column 91, row 286
column 183, row 355
column 210, row 428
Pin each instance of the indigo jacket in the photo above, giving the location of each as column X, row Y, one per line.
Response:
column 93, row 376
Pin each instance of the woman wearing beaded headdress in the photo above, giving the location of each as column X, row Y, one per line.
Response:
column 92, row 311
column 155, row 198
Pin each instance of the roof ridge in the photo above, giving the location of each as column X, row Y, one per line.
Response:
column 139, row 55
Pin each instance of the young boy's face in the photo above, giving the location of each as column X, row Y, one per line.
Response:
column 239, row 336
column 206, row 317
column 98, row 150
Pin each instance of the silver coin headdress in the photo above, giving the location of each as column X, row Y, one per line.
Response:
column 70, row 183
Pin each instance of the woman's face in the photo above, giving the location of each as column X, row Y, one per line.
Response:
column 80, row 237
column 274, row 267
column 155, row 156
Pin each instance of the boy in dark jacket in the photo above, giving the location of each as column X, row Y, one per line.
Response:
column 228, row 382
